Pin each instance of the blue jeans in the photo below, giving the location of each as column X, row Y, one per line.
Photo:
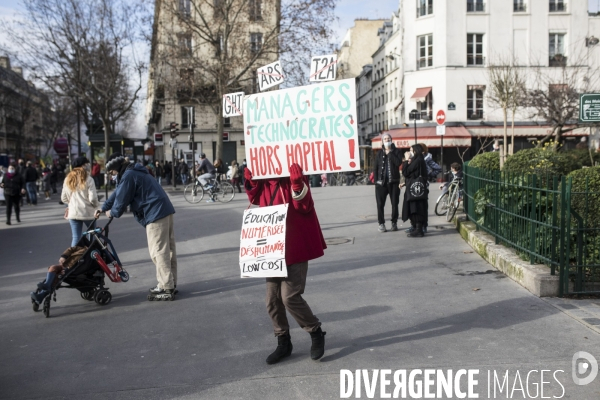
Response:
column 184, row 179
column 32, row 192
column 76, row 229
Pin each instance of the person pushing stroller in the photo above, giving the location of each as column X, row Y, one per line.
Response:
column 68, row 258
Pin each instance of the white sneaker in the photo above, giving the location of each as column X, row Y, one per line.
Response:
column 47, row 198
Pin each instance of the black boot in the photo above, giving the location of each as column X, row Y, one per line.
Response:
column 284, row 349
column 418, row 232
column 318, row 344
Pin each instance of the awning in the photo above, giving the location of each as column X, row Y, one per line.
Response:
column 456, row 136
column 420, row 94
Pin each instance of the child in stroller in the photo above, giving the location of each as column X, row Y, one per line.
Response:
column 83, row 267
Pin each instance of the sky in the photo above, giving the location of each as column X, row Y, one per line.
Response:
column 347, row 11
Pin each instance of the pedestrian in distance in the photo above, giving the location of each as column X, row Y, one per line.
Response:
column 159, row 172
column 387, row 181
column 235, row 175
column 183, row 172
column 46, row 182
column 14, row 186
column 206, row 170
column 242, row 168
column 415, row 167
column 96, row 170
column 168, row 172
column 151, row 207
column 53, row 178
column 79, row 193
column 304, row 242
column 31, row 177
column 433, row 170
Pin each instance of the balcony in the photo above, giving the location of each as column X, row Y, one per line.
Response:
column 557, row 60
column 475, row 6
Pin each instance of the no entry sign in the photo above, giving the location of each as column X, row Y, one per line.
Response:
column 440, row 117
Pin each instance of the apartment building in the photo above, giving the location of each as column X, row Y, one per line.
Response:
column 357, row 47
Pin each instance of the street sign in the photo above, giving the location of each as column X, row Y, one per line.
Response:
column 589, row 107
column 440, row 130
column 451, row 106
column 158, row 139
column 440, row 117
column 226, row 136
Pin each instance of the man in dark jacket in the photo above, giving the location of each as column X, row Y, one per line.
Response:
column 151, row 207
column 31, row 177
column 387, row 180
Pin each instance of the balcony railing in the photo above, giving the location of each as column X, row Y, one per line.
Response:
column 475, row 114
column 475, row 60
column 475, row 6
column 557, row 60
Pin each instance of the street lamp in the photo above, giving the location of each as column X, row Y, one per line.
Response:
column 415, row 115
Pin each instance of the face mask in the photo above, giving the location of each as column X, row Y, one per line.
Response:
column 412, row 154
column 113, row 178
column 11, row 170
column 387, row 144
column 244, row 163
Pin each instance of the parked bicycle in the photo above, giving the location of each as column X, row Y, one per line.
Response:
column 454, row 198
column 220, row 191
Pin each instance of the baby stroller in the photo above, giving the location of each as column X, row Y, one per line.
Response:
column 87, row 275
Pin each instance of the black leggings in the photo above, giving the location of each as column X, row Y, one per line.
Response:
column 13, row 201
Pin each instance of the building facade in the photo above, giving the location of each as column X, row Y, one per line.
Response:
column 171, row 93
column 357, row 47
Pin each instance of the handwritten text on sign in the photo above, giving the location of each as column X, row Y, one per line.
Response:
column 232, row 104
column 323, row 68
column 262, row 244
column 269, row 75
column 314, row 126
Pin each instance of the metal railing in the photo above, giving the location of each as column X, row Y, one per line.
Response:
column 543, row 219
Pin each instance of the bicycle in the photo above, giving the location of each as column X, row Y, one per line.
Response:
column 221, row 191
column 454, row 198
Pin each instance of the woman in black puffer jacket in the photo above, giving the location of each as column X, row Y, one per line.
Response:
column 416, row 211
column 14, row 187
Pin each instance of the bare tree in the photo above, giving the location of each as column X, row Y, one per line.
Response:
column 507, row 85
column 484, row 141
column 554, row 96
column 83, row 49
column 61, row 120
column 209, row 48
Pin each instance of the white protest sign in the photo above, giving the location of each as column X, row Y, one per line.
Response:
column 313, row 126
column 262, row 242
column 269, row 75
column 232, row 104
column 323, row 68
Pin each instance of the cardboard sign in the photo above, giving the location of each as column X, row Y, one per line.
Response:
column 314, row 126
column 232, row 104
column 323, row 68
column 270, row 75
column 262, row 243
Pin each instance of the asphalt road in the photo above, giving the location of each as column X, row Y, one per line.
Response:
column 385, row 300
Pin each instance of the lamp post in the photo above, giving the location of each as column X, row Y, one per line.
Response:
column 414, row 115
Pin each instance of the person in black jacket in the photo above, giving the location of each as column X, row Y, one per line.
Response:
column 31, row 177
column 387, row 180
column 416, row 210
column 14, row 186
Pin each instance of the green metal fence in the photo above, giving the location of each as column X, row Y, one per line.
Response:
column 543, row 219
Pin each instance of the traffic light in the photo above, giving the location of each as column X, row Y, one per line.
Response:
column 173, row 129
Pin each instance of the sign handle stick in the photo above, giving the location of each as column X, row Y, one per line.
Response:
column 442, row 156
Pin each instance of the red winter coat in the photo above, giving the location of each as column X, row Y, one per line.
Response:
column 303, row 237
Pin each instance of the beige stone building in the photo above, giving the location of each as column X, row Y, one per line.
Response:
column 183, row 66
column 357, row 47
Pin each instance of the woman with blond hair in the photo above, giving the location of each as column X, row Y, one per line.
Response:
column 79, row 193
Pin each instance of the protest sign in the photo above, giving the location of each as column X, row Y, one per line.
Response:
column 323, row 68
column 232, row 104
column 269, row 75
column 262, row 242
column 314, row 126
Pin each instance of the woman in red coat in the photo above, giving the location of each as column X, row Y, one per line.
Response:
column 303, row 242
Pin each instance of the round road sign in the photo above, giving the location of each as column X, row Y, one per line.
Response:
column 440, row 117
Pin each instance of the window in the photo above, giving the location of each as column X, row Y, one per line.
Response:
column 185, row 7
column 186, row 116
column 425, row 107
column 475, row 6
column 474, row 49
column 255, row 42
column 218, row 8
column 424, row 7
column 425, row 45
column 475, row 101
column 255, row 10
column 186, row 75
column 556, row 50
column 396, row 88
column 185, row 45
column 226, row 122
column 219, row 45
column 557, row 6
column 520, row 5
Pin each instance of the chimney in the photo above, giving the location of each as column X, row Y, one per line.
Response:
column 5, row 62
column 18, row 70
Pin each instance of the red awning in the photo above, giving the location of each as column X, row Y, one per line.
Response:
column 420, row 94
column 456, row 136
